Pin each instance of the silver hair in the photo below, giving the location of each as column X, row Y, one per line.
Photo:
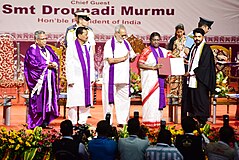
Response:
column 36, row 34
column 118, row 27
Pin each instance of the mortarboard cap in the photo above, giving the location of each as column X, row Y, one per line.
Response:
column 206, row 22
column 83, row 14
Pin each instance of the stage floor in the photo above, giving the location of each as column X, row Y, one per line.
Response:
column 18, row 115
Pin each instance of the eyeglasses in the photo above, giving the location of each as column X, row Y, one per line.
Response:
column 42, row 39
column 123, row 36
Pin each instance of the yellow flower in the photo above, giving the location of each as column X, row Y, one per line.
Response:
column 11, row 141
column 17, row 147
column 20, row 140
column 28, row 144
column 173, row 132
column 11, row 146
column 180, row 132
column 29, row 131
column 195, row 132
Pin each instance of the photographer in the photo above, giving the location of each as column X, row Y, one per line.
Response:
column 82, row 133
column 132, row 147
column 67, row 148
column 222, row 149
column 102, row 147
column 190, row 145
column 164, row 149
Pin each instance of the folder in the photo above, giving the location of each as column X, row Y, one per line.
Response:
column 171, row 66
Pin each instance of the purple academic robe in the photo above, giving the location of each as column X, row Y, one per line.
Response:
column 39, row 108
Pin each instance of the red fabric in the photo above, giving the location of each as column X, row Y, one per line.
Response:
column 150, row 93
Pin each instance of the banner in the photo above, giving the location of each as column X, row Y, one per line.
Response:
column 141, row 17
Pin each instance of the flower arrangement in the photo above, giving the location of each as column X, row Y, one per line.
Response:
column 222, row 87
column 37, row 144
column 212, row 133
column 26, row 144
column 135, row 83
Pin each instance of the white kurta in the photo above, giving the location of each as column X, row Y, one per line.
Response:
column 121, row 82
column 150, row 112
column 74, row 74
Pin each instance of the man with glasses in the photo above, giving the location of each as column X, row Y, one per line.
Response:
column 79, row 75
column 82, row 19
column 41, row 66
column 153, row 96
column 115, row 89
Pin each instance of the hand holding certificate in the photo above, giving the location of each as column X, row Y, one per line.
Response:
column 171, row 66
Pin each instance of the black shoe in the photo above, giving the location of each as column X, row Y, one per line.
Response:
column 44, row 125
column 92, row 107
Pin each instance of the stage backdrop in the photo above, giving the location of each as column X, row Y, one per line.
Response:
column 141, row 17
column 21, row 18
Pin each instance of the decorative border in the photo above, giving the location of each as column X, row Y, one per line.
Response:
column 53, row 37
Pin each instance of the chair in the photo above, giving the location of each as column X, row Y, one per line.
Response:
column 11, row 76
column 135, row 83
column 224, row 65
column 137, row 45
column 65, row 155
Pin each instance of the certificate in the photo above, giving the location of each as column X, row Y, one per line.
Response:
column 171, row 66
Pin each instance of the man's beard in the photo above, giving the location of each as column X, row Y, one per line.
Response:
column 197, row 42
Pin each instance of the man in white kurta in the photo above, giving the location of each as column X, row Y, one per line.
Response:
column 74, row 74
column 117, row 52
column 82, row 20
column 152, row 109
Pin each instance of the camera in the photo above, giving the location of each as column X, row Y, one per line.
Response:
column 163, row 124
column 82, row 133
column 107, row 117
column 136, row 114
column 225, row 120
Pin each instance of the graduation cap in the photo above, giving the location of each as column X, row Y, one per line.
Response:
column 206, row 22
column 82, row 14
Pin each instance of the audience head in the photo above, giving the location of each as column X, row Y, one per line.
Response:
column 66, row 128
column 164, row 136
column 103, row 128
column 133, row 126
column 226, row 134
column 154, row 39
column 189, row 124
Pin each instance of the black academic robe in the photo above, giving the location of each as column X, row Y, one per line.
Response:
column 197, row 100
